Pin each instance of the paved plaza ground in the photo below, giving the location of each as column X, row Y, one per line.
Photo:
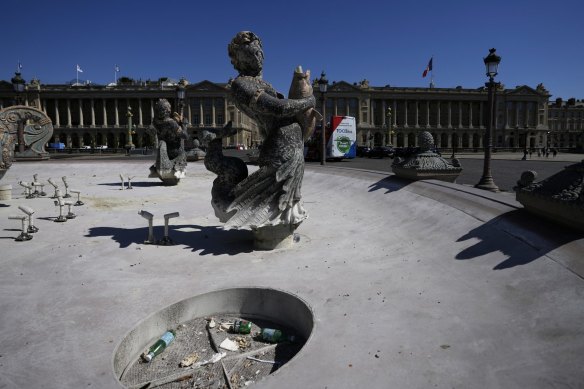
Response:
column 411, row 285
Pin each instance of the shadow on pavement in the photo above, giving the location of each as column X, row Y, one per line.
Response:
column 390, row 184
column 210, row 240
column 137, row 184
column 543, row 237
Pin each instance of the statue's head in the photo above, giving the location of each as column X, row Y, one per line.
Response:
column 247, row 56
column 162, row 108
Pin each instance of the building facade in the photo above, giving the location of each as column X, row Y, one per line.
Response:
column 456, row 117
column 95, row 115
column 566, row 123
column 88, row 115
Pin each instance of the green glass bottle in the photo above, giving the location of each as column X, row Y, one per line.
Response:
column 276, row 336
column 241, row 327
column 159, row 346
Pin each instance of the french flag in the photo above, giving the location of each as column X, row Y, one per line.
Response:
column 428, row 68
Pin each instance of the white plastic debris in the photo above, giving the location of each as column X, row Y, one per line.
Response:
column 229, row 344
column 212, row 323
column 214, row 359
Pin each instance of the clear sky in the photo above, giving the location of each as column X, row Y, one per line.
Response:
column 385, row 42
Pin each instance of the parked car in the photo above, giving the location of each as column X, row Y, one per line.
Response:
column 381, row 152
column 363, row 151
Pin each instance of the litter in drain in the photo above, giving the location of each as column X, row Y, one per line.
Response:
column 254, row 358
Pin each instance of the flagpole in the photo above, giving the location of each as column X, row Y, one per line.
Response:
column 432, row 73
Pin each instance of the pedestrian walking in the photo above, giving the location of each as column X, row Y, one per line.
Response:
column 554, row 152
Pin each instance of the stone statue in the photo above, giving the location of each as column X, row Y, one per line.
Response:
column 196, row 154
column 170, row 132
column 425, row 163
column 301, row 88
column 37, row 130
column 269, row 200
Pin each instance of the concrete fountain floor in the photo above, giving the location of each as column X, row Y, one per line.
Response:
column 412, row 285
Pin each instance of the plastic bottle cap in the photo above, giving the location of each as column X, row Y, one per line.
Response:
column 147, row 357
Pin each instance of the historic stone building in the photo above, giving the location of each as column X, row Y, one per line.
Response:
column 87, row 115
column 84, row 115
column 455, row 116
column 566, row 123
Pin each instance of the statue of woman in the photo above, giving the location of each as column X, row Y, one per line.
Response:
column 271, row 195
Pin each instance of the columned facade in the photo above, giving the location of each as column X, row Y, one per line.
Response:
column 456, row 117
column 96, row 115
column 93, row 115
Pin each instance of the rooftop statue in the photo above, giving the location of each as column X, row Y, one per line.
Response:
column 170, row 132
column 269, row 200
column 37, row 129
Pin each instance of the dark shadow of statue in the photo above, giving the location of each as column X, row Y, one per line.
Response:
column 206, row 240
column 518, row 235
column 170, row 132
column 269, row 200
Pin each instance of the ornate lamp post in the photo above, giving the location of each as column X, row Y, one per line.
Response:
column 180, row 94
column 322, row 87
column 129, row 145
column 18, row 85
column 491, row 63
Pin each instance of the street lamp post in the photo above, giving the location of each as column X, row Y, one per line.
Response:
column 322, row 87
column 389, row 126
column 129, row 145
column 181, row 88
column 18, row 85
column 491, row 63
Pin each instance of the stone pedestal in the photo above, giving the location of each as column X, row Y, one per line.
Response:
column 559, row 198
column 273, row 237
column 426, row 164
column 5, row 192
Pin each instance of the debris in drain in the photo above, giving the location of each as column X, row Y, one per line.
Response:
column 214, row 359
column 275, row 336
column 189, row 360
column 159, row 346
column 264, row 361
column 212, row 323
column 241, row 327
column 229, row 344
column 242, row 342
column 214, row 367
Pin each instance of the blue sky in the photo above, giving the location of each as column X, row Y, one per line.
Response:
column 386, row 42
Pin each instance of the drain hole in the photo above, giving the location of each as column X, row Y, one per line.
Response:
column 254, row 358
column 206, row 350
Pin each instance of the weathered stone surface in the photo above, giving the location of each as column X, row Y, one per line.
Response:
column 271, row 195
column 426, row 164
column 171, row 159
column 559, row 198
